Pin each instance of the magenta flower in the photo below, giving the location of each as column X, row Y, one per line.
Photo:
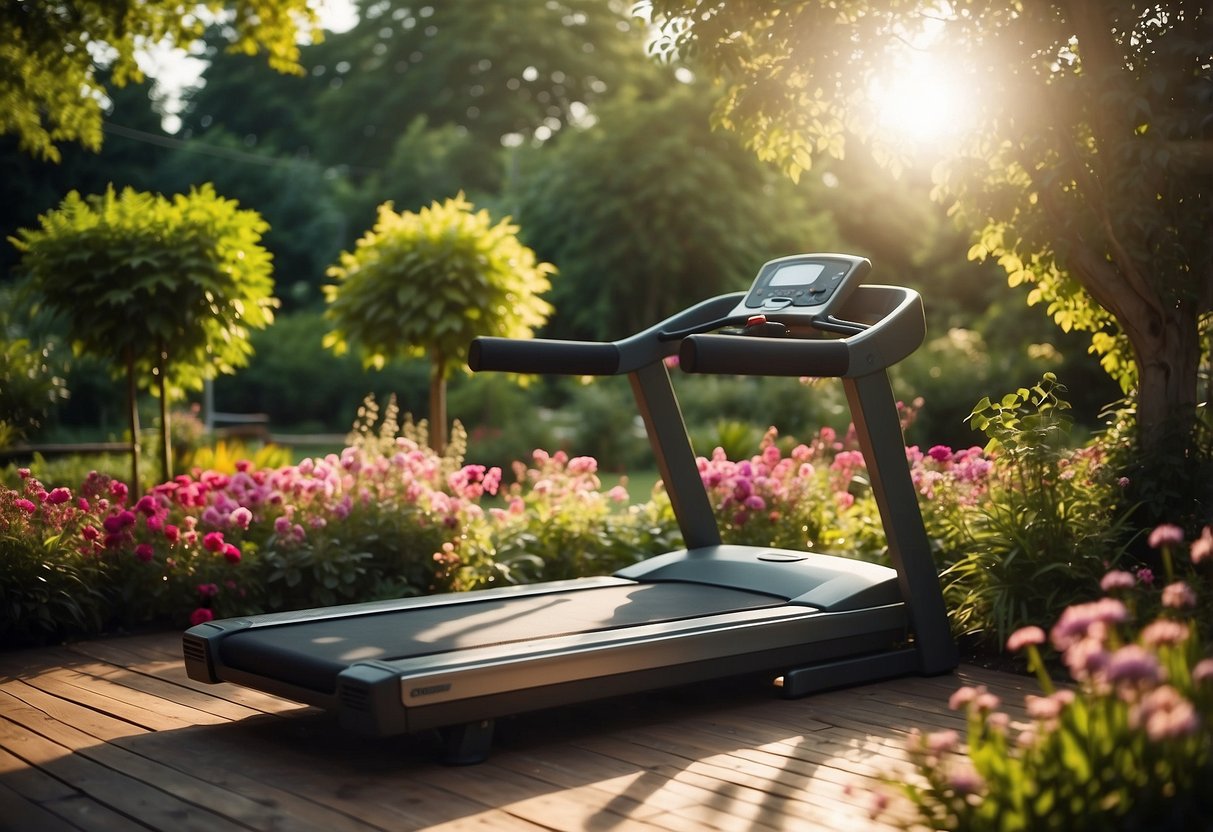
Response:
column 230, row 553
column 145, row 552
column 25, row 505
column 201, row 615
column 59, row 495
column 208, row 590
column 213, row 541
column 940, row 453
column 172, row 533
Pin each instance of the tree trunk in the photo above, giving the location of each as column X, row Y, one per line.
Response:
column 132, row 400
column 166, row 449
column 1168, row 358
column 437, row 403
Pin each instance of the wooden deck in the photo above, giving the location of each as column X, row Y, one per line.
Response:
column 111, row 735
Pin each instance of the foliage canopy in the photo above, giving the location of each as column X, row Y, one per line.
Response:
column 1088, row 172
column 55, row 55
column 426, row 283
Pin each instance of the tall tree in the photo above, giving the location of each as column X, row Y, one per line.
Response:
column 643, row 222
column 1088, row 170
column 490, row 69
column 57, row 58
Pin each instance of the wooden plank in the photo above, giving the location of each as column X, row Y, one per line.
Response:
column 226, row 767
column 69, row 814
column 182, row 784
column 125, row 794
column 78, row 721
column 132, row 654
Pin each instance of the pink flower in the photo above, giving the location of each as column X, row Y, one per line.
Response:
column 1043, row 708
column 241, row 517
column 171, row 533
column 941, row 742
column 25, row 505
column 1203, row 671
column 230, row 553
column 1133, row 665
column 145, row 552
column 213, row 541
column 1145, row 576
column 1077, row 620
column 1178, row 596
column 208, row 590
column 1117, row 579
column 1164, row 631
column 965, row 780
column 1202, row 547
column 118, row 490
column 962, row 697
column 200, row 616
column 59, row 495
column 147, row 505
column 89, row 533
column 1165, row 534
column 1165, row 713
column 1025, row 636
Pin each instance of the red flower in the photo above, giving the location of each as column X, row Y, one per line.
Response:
column 231, row 553
column 213, row 541
column 201, row 615
column 145, row 552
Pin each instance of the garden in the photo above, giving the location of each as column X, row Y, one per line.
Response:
column 243, row 261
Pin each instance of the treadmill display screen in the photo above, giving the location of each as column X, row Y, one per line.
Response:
column 797, row 274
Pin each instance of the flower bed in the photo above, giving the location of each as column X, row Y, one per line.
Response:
column 1127, row 744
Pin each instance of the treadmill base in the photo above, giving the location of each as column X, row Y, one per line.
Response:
column 844, row 673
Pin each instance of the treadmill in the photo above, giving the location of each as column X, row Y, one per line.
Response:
column 811, row 620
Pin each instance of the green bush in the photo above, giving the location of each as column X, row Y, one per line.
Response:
column 1043, row 532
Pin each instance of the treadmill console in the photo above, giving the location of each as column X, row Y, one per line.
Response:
column 813, row 285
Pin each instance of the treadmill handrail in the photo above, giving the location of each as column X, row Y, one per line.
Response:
column 892, row 315
column 898, row 329
column 593, row 358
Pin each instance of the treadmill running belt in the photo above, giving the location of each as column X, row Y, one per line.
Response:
column 310, row 654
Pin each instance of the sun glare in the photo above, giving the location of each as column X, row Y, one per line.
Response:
column 922, row 102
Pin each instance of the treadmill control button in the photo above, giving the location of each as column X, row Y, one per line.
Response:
column 782, row 557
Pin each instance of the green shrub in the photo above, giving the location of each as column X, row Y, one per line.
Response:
column 1045, row 529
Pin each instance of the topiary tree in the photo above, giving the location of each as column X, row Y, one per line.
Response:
column 166, row 287
column 427, row 283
